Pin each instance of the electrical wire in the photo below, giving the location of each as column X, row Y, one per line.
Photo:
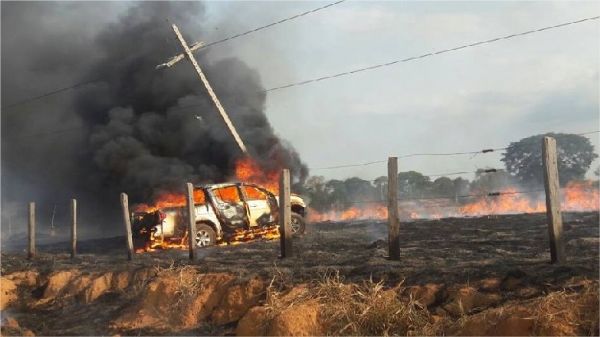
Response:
column 387, row 64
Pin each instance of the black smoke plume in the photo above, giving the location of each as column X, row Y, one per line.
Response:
column 136, row 129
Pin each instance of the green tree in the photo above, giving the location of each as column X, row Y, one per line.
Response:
column 442, row 187
column 315, row 189
column 413, row 184
column 381, row 187
column 337, row 193
column 461, row 186
column 523, row 159
column 492, row 181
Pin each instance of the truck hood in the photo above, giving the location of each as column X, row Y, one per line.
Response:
column 295, row 199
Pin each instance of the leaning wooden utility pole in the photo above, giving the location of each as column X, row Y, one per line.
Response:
column 552, row 187
column 393, row 221
column 211, row 93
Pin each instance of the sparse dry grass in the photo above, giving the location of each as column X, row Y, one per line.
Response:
column 364, row 309
column 368, row 309
column 568, row 313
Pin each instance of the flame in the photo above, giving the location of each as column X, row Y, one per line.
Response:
column 247, row 170
column 503, row 204
column 267, row 233
column 240, row 236
column 377, row 211
column 168, row 199
column 581, row 196
column 577, row 196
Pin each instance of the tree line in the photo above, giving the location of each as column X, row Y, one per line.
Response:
column 523, row 167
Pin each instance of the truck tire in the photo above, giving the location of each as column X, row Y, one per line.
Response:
column 205, row 236
column 298, row 225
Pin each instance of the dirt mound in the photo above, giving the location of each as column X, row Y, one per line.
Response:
column 27, row 278
column 287, row 313
column 428, row 294
column 175, row 299
column 10, row 327
column 87, row 288
column 557, row 314
column 254, row 323
column 467, row 299
column 237, row 300
column 298, row 320
column 335, row 308
column 57, row 283
column 8, row 292
column 10, row 284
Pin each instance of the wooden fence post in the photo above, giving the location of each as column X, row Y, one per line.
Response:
column 191, row 217
column 127, row 222
column 552, row 187
column 31, row 251
column 285, row 215
column 73, row 228
column 393, row 221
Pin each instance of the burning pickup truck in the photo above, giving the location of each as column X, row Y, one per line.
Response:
column 224, row 213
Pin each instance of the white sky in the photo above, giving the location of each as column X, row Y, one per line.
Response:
column 467, row 100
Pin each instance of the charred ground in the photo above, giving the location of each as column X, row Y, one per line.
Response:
column 510, row 252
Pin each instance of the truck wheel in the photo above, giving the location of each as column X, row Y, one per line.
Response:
column 205, row 236
column 297, row 224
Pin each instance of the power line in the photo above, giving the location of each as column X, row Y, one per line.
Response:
column 80, row 84
column 587, row 133
column 54, row 92
column 272, row 24
column 432, row 154
column 348, row 165
column 358, row 70
column 48, row 133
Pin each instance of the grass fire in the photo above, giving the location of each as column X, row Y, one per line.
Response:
column 299, row 169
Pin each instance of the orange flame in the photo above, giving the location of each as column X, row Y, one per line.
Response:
column 503, row 204
column 352, row 213
column 247, row 170
column 168, row 199
column 581, row 196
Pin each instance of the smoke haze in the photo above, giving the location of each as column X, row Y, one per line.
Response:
column 136, row 130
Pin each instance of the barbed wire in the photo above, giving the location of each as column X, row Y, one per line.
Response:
column 479, row 195
column 358, row 70
column 408, row 156
column 489, row 170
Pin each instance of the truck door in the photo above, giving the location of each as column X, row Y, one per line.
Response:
column 230, row 208
column 258, row 206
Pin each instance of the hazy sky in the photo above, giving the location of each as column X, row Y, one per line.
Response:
column 467, row 100
column 471, row 99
